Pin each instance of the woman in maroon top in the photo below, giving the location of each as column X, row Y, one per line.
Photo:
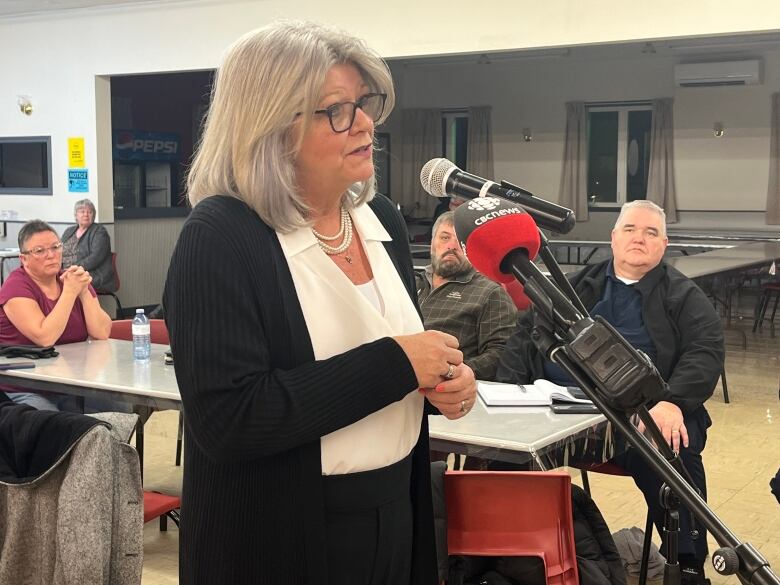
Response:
column 44, row 305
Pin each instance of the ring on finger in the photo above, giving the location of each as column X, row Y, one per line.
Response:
column 450, row 372
column 463, row 406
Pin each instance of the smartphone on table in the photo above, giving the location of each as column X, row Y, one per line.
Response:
column 574, row 408
column 16, row 365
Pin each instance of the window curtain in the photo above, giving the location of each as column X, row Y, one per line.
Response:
column 421, row 142
column 660, row 179
column 479, row 148
column 773, row 192
column 574, row 176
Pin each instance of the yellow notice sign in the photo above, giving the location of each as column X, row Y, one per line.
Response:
column 76, row 153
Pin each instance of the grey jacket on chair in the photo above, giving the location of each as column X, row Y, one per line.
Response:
column 94, row 254
column 81, row 520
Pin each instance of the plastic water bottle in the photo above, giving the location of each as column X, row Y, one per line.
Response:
column 142, row 337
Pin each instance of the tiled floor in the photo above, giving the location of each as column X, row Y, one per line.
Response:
column 742, row 454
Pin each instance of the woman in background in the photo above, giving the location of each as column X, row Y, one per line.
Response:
column 87, row 244
column 44, row 305
column 301, row 357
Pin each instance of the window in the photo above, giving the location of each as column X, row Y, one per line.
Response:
column 25, row 165
column 455, row 136
column 618, row 154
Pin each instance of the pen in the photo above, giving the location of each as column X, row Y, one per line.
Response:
column 16, row 365
column 522, row 388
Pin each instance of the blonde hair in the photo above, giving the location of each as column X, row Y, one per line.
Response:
column 269, row 77
column 641, row 204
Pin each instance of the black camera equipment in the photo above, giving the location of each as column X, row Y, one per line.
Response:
column 620, row 380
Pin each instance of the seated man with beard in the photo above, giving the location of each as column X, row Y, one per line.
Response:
column 455, row 299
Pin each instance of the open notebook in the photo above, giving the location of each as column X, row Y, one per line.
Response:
column 540, row 393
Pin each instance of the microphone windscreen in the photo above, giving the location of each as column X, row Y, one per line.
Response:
column 434, row 175
column 516, row 292
column 489, row 228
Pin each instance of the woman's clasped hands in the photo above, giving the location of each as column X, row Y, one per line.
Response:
column 75, row 279
column 446, row 381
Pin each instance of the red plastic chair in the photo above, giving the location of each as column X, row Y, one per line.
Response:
column 513, row 513
column 123, row 329
column 157, row 505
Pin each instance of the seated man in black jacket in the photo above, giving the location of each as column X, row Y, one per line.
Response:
column 663, row 313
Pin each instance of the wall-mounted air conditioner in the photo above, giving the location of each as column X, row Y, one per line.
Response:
column 715, row 74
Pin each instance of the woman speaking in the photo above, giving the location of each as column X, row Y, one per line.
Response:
column 303, row 366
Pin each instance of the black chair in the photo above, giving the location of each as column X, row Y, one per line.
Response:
column 116, row 287
column 770, row 289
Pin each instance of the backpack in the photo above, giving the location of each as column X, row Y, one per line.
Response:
column 598, row 561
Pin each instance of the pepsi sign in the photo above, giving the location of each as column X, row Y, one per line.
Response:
column 139, row 145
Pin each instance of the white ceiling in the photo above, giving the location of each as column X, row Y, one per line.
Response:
column 737, row 46
column 21, row 7
column 723, row 48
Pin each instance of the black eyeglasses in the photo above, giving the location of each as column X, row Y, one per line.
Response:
column 342, row 115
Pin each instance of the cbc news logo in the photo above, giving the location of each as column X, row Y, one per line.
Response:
column 483, row 203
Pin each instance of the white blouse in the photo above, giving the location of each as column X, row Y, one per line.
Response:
column 340, row 317
column 372, row 294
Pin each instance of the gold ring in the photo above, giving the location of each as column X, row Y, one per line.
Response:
column 450, row 372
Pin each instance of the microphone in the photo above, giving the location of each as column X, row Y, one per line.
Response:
column 489, row 229
column 441, row 178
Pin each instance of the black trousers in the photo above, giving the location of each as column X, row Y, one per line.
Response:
column 369, row 526
column 650, row 484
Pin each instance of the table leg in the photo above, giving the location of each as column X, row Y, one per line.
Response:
column 143, row 413
column 139, row 444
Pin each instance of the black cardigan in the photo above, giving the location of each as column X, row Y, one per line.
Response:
column 257, row 403
column 32, row 441
column 93, row 252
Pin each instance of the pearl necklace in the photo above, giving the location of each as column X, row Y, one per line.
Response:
column 345, row 229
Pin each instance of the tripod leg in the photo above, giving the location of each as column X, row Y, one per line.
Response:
column 672, row 573
column 585, row 482
column 646, row 548
column 725, row 385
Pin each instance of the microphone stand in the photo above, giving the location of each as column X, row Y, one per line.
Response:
column 557, row 274
column 666, row 497
column 619, row 380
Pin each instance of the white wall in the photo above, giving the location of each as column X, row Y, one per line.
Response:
column 62, row 59
column 56, row 57
column 712, row 174
column 710, row 171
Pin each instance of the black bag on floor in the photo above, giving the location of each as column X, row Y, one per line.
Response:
column 598, row 561
column 496, row 571
column 775, row 485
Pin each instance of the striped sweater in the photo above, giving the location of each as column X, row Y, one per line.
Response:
column 257, row 403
